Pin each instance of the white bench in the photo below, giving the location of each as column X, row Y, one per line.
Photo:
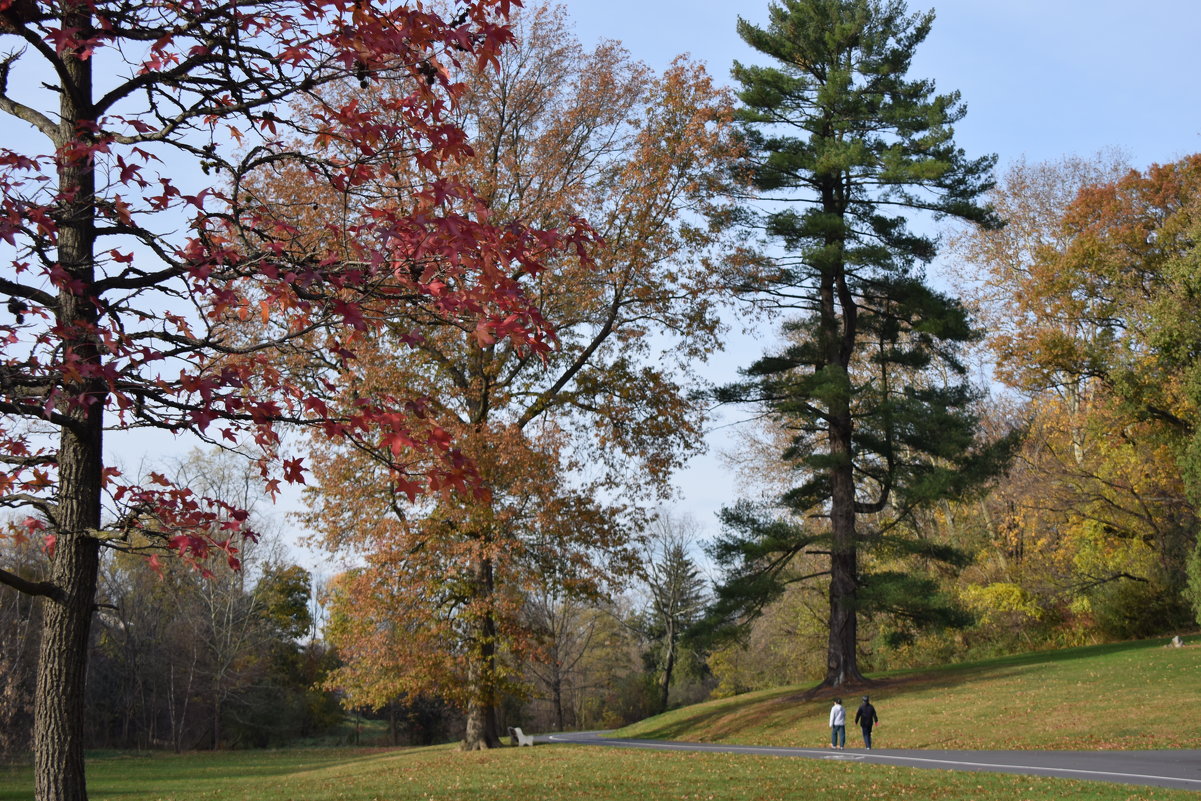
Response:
column 521, row 737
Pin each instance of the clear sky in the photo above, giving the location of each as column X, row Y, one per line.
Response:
column 1041, row 78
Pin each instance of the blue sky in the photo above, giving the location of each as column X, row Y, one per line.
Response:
column 1041, row 80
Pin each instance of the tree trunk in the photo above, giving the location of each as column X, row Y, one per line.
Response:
column 75, row 563
column 483, row 730
column 216, row 722
column 839, row 325
column 74, row 570
column 669, row 665
column 842, row 664
column 557, row 699
column 62, row 669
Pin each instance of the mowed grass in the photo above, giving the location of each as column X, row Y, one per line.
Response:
column 1137, row 695
column 1130, row 695
column 559, row 772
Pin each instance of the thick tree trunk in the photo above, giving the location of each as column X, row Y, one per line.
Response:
column 483, row 729
column 62, row 669
column 74, row 569
column 74, row 566
column 839, row 325
column 842, row 664
column 482, row 726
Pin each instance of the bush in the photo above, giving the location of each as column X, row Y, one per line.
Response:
column 1132, row 610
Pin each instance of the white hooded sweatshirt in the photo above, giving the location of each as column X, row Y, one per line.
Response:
column 838, row 716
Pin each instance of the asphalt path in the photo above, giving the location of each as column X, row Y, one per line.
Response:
column 1180, row 770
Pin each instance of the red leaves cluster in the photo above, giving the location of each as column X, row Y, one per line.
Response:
column 193, row 527
column 244, row 324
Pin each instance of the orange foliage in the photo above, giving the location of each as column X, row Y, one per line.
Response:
column 567, row 446
column 1094, row 317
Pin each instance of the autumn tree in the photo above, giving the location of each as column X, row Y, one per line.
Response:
column 1100, row 334
column 135, row 238
column 572, row 444
column 845, row 148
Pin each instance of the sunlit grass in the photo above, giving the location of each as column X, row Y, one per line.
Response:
column 558, row 772
column 1135, row 695
column 1124, row 696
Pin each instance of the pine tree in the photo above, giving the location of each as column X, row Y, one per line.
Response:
column 844, row 150
column 677, row 593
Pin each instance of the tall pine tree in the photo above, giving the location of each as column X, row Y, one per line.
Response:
column 845, row 149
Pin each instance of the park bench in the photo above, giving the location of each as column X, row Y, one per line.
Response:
column 520, row 737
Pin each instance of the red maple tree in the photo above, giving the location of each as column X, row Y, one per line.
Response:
column 138, row 244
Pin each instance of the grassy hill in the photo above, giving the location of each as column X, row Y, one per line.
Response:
column 1127, row 695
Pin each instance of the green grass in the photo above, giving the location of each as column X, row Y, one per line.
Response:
column 558, row 772
column 1125, row 696
column 1130, row 695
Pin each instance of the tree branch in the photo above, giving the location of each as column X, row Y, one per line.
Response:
column 43, row 589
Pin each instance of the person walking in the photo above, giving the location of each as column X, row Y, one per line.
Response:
column 866, row 717
column 838, row 725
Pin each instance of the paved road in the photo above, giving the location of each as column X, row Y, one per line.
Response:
column 1179, row 770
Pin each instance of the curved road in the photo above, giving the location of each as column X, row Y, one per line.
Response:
column 1180, row 770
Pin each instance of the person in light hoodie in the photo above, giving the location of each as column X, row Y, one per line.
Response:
column 838, row 725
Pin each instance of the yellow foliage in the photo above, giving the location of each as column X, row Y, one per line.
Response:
column 990, row 601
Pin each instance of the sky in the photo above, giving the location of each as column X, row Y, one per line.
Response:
column 1042, row 79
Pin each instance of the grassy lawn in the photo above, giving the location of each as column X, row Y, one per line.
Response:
column 1129, row 695
column 558, row 772
column 1126, row 696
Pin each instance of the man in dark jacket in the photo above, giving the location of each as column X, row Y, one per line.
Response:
column 866, row 717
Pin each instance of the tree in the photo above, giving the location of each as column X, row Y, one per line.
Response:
column 572, row 447
column 996, row 269
column 138, row 239
column 844, row 149
column 1101, row 306
column 567, row 630
column 677, row 595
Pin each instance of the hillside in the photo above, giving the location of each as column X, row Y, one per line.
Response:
column 1127, row 695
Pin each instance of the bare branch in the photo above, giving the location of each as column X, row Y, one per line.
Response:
column 43, row 589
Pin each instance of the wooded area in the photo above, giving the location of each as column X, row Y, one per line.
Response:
column 455, row 273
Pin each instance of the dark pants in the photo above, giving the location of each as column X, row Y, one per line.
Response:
column 867, row 736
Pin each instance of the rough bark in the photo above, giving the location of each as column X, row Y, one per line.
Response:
column 62, row 665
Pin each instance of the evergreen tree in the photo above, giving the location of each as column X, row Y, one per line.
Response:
column 844, row 150
column 677, row 593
